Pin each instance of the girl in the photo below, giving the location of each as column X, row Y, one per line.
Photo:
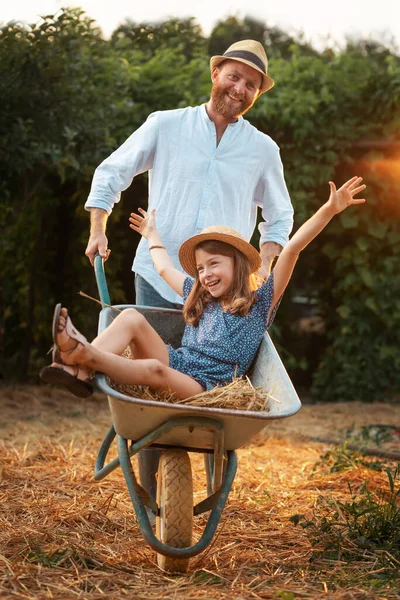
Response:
column 225, row 314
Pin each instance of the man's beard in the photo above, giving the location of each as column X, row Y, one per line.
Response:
column 223, row 105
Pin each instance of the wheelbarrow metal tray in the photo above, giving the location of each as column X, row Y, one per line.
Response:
column 133, row 418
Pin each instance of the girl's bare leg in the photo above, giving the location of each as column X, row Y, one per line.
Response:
column 147, row 371
column 153, row 371
column 132, row 329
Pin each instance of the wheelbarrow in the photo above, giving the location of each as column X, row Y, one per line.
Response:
column 177, row 430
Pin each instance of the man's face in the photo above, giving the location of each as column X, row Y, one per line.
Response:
column 236, row 87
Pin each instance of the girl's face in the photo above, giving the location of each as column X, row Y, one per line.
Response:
column 215, row 272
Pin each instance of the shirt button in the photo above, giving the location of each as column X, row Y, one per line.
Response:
column 209, row 182
column 203, row 206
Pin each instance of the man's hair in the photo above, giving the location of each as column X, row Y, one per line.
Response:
column 243, row 290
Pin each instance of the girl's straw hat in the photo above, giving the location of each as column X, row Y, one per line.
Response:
column 219, row 233
column 250, row 53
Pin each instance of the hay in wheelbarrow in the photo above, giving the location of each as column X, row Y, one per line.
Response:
column 240, row 394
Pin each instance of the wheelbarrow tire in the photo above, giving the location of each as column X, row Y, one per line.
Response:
column 174, row 524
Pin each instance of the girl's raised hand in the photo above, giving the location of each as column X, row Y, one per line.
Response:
column 344, row 196
column 145, row 223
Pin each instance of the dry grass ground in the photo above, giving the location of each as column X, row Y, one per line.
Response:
column 65, row 536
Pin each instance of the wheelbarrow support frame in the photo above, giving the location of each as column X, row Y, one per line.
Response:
column 139, row 497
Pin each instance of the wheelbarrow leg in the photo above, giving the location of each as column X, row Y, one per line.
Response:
column 148, row 460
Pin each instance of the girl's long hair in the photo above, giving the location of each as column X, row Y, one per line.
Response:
column 243, row 290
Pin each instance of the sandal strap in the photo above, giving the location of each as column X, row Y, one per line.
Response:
column 76, row 370
column 74, row 334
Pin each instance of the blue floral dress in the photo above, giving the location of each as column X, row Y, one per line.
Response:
column 223, row 344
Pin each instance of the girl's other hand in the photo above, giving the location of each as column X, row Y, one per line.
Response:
column 344, row 196
column 145, row 223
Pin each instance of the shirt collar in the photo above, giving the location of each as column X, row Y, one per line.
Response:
column 209, row 122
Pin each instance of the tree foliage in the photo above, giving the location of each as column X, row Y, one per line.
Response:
column 65, row 109
column 69, row 98
column 184, row 34
column 278, row 43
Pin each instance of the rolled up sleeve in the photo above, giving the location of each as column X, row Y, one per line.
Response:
column 115, row 173
column 276, row 208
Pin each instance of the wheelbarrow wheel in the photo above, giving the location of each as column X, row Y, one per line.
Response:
column 174, row 524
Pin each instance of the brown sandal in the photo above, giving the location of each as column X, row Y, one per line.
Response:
column 72, row 332
column 58, row 376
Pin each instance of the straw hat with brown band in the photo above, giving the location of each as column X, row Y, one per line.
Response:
column 250, row 53
column 219, row 233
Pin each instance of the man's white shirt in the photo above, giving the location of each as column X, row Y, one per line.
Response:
column 193, row 183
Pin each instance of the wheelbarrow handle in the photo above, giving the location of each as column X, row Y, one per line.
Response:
column 101, row 279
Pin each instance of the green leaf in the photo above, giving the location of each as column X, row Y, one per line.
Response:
column 343, row 311
column 388, row 352
column 331, row 250
column 349, row 219
column 372, row 305
column 377, row 229
column 295, row 519
column 366, row 276
column 394, row 238
column 363, row 243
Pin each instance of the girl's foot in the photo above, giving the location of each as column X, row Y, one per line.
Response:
column 73, row 377
column 69, row 348
column 66, row 338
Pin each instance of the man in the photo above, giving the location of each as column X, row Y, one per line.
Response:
column 207, row 166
